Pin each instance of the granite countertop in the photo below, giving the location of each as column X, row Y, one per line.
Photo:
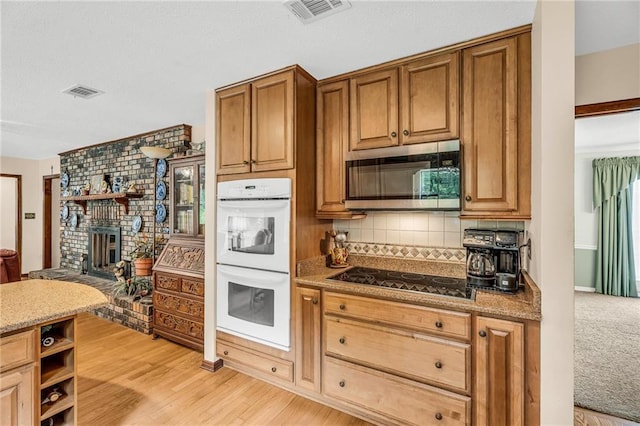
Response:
column 29, row 302
column 525, row 304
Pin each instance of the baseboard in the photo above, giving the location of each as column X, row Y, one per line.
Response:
column 585, row 289
column 211, row 366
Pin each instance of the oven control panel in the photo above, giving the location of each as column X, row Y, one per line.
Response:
column 478, row 238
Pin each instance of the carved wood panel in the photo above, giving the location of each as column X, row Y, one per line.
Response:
column 167, row 282
column 179, row 305
column 180, row 325
column 195, row 287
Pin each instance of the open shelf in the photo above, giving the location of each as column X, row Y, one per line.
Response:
column 121, row 198
column 61, row 343
column 64, row 417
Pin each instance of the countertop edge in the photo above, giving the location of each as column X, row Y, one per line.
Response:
column 46, row 318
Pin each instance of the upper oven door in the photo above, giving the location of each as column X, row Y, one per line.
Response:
column 254, row 233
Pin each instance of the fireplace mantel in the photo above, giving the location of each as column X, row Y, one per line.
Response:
column 121, row 198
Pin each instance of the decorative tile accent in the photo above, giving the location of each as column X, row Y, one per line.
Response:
column 457, row 255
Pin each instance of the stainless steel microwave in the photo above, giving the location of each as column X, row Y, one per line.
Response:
column 410, row 177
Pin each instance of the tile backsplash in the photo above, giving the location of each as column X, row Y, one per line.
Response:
column 409, row 233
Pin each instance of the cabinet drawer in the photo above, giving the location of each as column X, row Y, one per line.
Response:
column 167, row 282
column 175, row 323
column 192, row 286
column 437, row 321
column 179, row 305
column 400, row 399
column 17, row 349
column 274, row 367
column 415, row 355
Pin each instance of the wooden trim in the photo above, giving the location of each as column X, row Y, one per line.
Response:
column 457, row 46
column 606, row 108
column 140, row 135
column 297, row 68
column 212, row 366
column 18, row 235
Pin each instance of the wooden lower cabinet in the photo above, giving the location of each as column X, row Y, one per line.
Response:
column 16, row 396
column 402, row 401
column 264, row 364
column 500, row 373
column 308, row 338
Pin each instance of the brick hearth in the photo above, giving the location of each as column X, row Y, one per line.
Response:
column 135, row 314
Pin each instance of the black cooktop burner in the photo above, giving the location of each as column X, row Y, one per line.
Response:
column 456, row 287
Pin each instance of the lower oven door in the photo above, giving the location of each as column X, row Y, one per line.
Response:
column 254, row 305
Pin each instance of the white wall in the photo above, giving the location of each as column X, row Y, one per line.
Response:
column 551, row 227
column 32, row 172
column 8, row 219
column 609, row 75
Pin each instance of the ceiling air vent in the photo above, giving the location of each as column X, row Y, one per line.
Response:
column 81, row 91
column 311, row 10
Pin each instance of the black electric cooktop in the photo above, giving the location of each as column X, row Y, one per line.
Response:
column 446, row 286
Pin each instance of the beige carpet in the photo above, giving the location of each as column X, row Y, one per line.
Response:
column 607, row 354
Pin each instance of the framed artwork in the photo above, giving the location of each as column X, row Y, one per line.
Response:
column 96, row 184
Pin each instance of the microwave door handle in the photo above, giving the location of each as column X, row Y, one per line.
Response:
column 253, row 276
column 254, row 204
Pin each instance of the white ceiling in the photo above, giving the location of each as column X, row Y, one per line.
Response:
column 156, row 60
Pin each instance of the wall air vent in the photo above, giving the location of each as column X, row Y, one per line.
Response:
column 311, row 10
column 82, row 91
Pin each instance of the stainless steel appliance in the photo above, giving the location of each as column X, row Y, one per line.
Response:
column 493, row 258
column 424, row 176
column 253, row 253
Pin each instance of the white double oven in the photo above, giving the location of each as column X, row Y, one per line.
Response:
column 253, row 268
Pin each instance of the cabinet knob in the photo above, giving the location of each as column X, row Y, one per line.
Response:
column 438, row 364
column 342, row 306
column 482, row 333
column 394, row 134
column 226, row 352
column 341, row 384
column 438, row 324
column 314, row 301
column 438, row 416
column 405, row 132
column 245, row 162
column 273, row 369
column 341, row 340
column 468, row 198
column 253, row 161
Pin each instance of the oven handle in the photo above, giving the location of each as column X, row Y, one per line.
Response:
column 254, row 204
column 251, row 274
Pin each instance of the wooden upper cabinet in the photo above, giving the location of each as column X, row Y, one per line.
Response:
column 499, row 373
column 496, row 130
column 272, row 113
column 429, row 106
column 233, row 129
column 255, row 125
column 374, row 110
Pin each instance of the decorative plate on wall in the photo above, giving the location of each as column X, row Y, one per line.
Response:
column 74, row 220
column 161, row 169
column 137, row 224
column 161, row 213
column 64, row 213
column 64, row 179
column 161, row 190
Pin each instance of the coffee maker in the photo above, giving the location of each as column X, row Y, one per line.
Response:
column 493, row 258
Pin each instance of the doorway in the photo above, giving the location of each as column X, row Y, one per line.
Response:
column 50, row 232
column 11, row 223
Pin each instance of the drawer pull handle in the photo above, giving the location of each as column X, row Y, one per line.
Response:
column 438, row 416
column 405, row 132
column 226, row 352
column 394, row 134
column 341, row 340
column 342, row 306
column 482, row 333
column 438, row 324
column 314, row 301
column 438, row 364
column 341, row 384
column 245, row 162
column 273, row 369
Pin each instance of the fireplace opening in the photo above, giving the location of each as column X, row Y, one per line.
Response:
column 103, row 250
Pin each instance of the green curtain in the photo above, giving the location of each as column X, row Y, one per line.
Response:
column 613, row 180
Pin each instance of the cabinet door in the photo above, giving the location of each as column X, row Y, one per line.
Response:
column 499, row 378
column 16, row 397
column 332, row 141
column 272, row 121
column 429, row 99
column 374, row 110
column 489, row 130
column 233, row 137
column 308, row 352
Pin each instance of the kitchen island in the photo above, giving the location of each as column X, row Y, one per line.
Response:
column 38, row 349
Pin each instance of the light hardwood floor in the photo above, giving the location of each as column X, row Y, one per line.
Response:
column 126, row 378
column 584, row 417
